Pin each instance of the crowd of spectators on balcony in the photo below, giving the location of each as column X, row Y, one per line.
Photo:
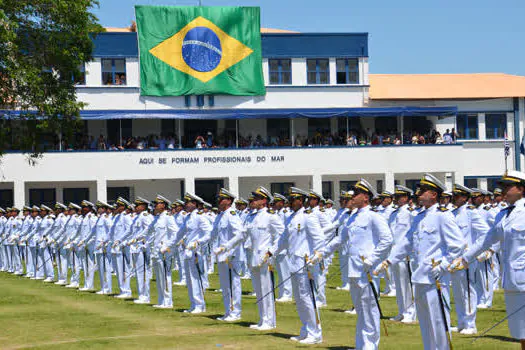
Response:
column 320, row 138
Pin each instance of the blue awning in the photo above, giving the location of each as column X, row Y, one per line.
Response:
column 268, row 113
column 214, row 114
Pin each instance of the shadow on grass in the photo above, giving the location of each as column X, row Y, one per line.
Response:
column 499, row 337
column 213, row 317
column 338, row 347
column 280, row 335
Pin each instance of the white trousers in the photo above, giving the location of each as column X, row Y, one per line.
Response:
column 367, row 333
column 283, row 272
column 30, row 266
column 406, row 304
column 104, row 272
column 180, row 263
column 44, row 263
column 163, row 265
column 513, row 302
column 320, row 282
column 123, row 271
column 62, row 264
column 195, row 282
column 343, row 267
column 429, row 313
column 304, row 302
column 3, row 257
column 231, row 292
column 75, row 263
column 484, row 283
column 466, row 315
column 88, row 265
column 263, row 287
column 143, row 274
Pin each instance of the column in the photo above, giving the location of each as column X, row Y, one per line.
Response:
column 482, row 128
column 389, row 182
column 19, row 194
column 459, row 178
column 317, row 183
column 233, row 183
column 60, row 194
column 449, row 181
column 333, row 126
column 102, row 190
column 337, row 192
column 189, row 185
column 483, row 183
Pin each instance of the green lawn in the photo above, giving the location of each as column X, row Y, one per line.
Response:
column 38, row 315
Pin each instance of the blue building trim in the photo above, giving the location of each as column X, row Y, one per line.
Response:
column 309, row 45
column 517, row 138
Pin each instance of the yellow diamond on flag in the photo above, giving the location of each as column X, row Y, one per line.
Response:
column 201, row 49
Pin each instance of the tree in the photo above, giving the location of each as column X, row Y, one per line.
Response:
column 43, row 44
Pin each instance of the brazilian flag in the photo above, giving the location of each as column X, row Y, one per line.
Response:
column 188, row 50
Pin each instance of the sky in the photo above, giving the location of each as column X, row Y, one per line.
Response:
column 405, row 36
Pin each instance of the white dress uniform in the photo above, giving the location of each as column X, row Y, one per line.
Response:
column 196, row 229
column 320, row 270
column 120, row 233
column 103, row 240
column 141, row 254
column 162, row 232
column 85, row 248
column 282, row 265
column 31, row 240
column 73, row 259
column 400, row 222
column 334, row 230
column 179, row 250
column 369, row 236
column 261, row 226
column 509, row 230
column 497, row 271
column 485, row 270
column 57, row 242
column 434, row 235
column 472, row 226
column 303, row 237
column 3, row 254
column 45, row 263
column 228, row 225
column 12, row 243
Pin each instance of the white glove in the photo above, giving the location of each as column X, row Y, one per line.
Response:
column 193, row 245
column 457, row 265
column 219, row 250
column 437, row 271
column 382, row 267
column 367, row 265
column 164, row 250
column 486, row 255
column 316, row 258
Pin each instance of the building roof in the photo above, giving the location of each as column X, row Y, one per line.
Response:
column 445, row 86
column 263, row 30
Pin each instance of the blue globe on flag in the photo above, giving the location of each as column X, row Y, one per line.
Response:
column 201, row 49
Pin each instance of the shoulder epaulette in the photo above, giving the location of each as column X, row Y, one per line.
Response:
column 271, row 211
column 285, row 211
column 410, row 209
column 200, row 212
column 145, row 213
column 374, row 209
column 322, row 210
column 471, row 207
column 486, row 208
column 233, row 212
column 308, row 211
column 443, row 209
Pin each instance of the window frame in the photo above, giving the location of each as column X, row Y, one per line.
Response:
column 494, row 136
column 279, row 71
column 318, row 71
column 347, row 71
column 466, row 129
column 281, row 187
column 113, row 71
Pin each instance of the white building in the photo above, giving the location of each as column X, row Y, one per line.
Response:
column 315, row 82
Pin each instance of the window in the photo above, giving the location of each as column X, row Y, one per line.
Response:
column 379, row 186
column 280, row 71
column 113, row 71
column 412, row 184
column 117, row 128
column 278, row 131
column 318, row 128
column 39, row 196
column 470, row 182
column 75, row 195
column 495, row 125
column 6, row 198
column 328, row 190
column 346, row 185
column 467, row 126
column 200, row 100
column 81, row 78
column 318, row 71
column 281, row 187
column 114, row 192
column 347, row 71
